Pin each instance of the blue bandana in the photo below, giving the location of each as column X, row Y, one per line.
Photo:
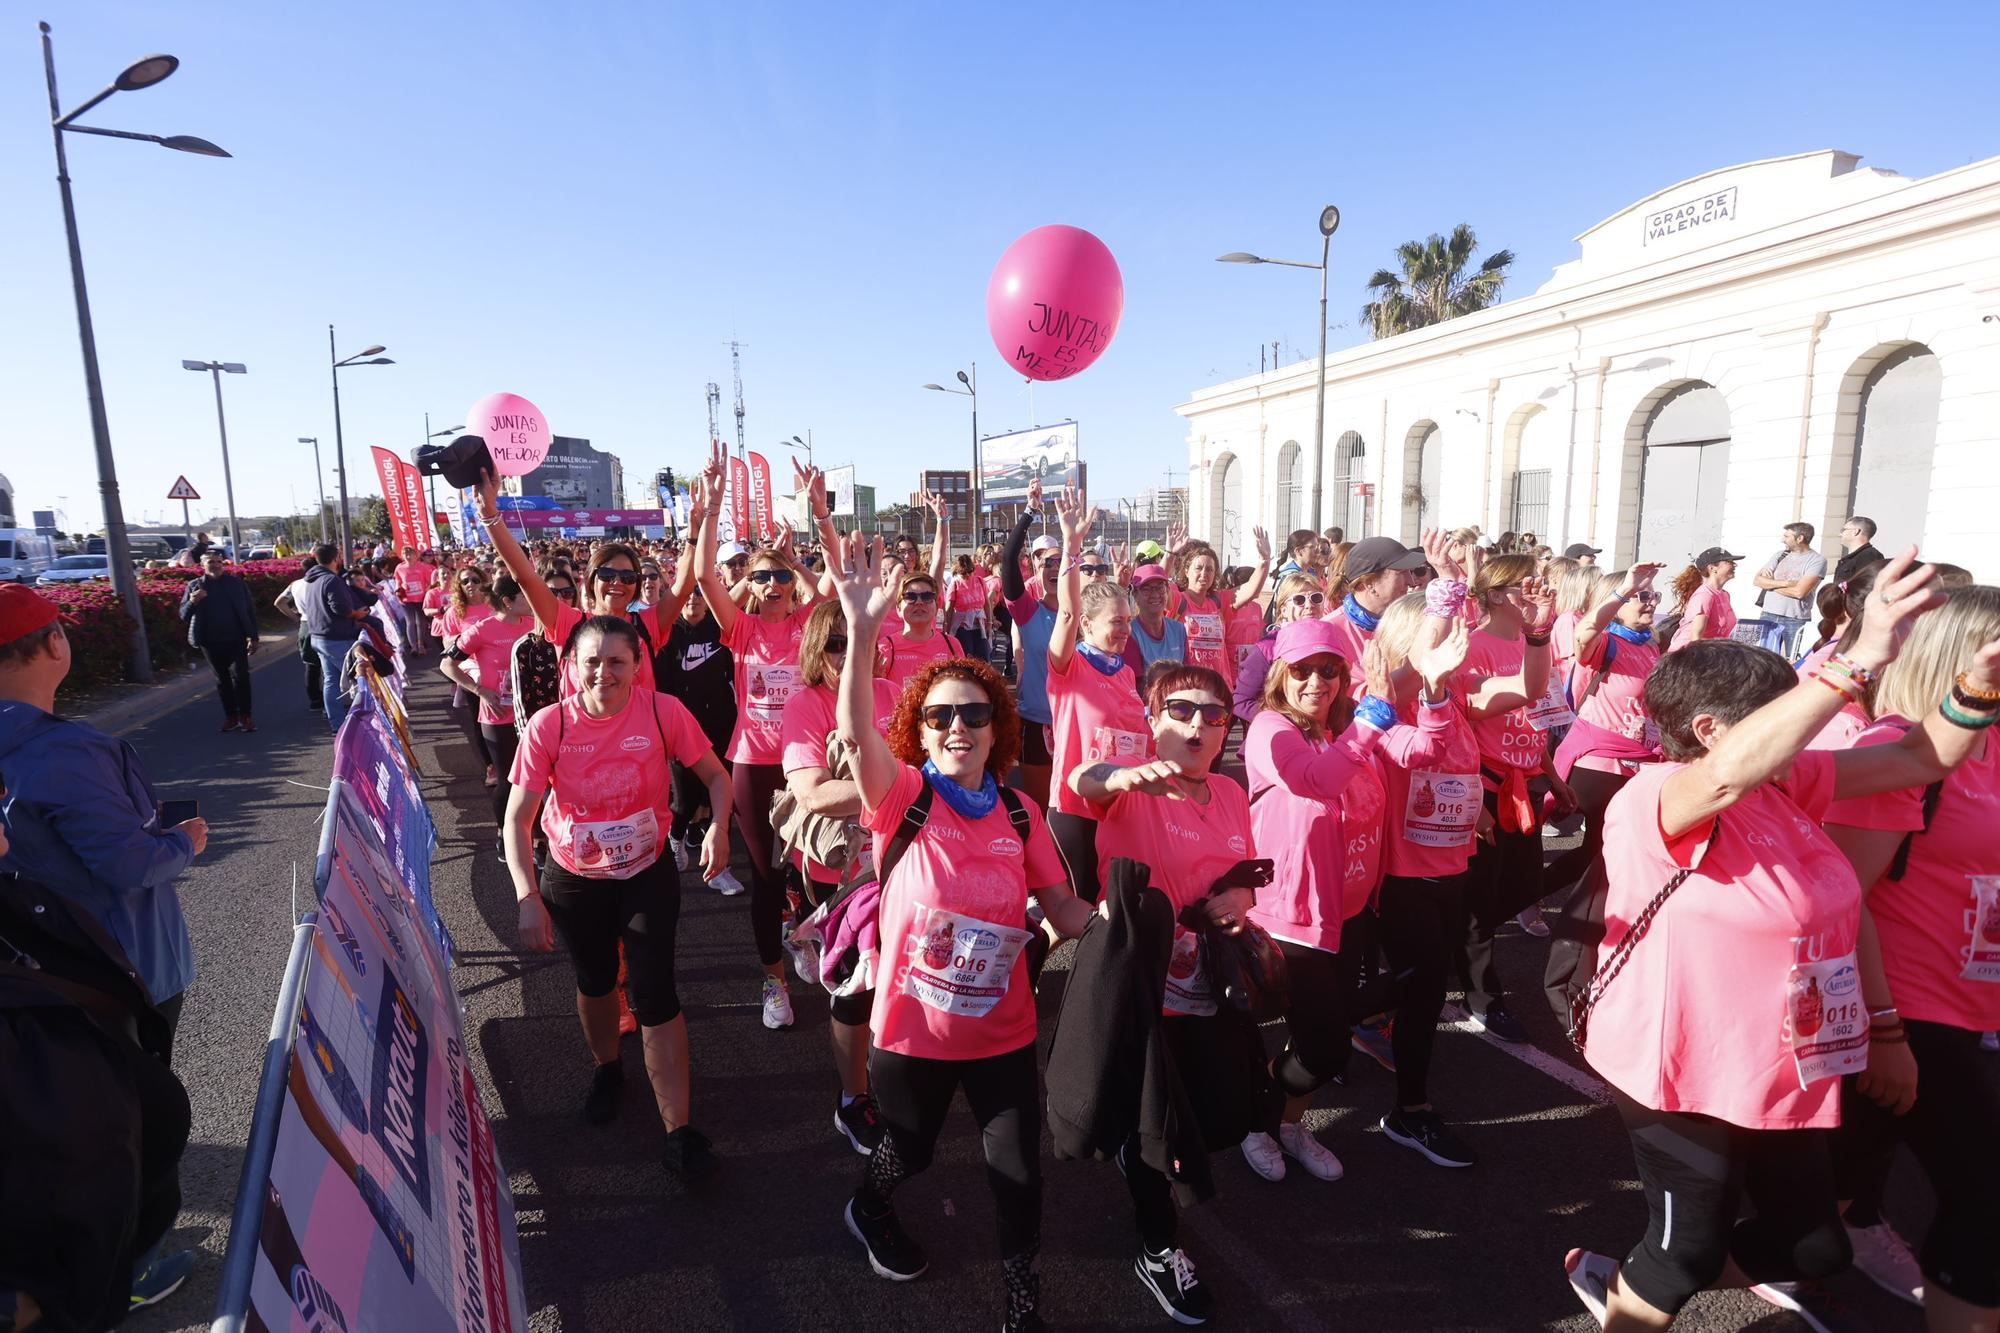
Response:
column 970, row 804
column 1628, row 634
column 1359, row 614
column 1108, row 664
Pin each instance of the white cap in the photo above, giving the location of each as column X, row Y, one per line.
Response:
column 1045, row 543
column 734, row 549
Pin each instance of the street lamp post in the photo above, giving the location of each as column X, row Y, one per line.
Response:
column 216, row 370
column 1329, row 222
column 430, row 481
column 374, row 353
column 971, row 390
column 319, row 477
column 142, row 73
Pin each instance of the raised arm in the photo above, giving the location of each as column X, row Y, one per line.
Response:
column 1254, row 587
column 1012, row 586
column 708, row 497
column 1590, row 630
column 940, row 536
column 1928, row 751
column 1069, row 587
column 1503, row 694
column 1301, row 769
column 519, row 563
column 813, row 482
column 856, row 567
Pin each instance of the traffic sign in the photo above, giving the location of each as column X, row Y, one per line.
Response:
column 182, row 491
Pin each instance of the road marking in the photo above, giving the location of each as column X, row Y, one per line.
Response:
column 1532, row 1056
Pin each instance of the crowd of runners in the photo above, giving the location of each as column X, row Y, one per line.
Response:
column 1296, row 799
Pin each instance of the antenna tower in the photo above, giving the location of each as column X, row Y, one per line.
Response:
column 714, row 412
column 736, row 364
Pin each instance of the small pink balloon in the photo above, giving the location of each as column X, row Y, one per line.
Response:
column 515, row 431
column 1054, row 302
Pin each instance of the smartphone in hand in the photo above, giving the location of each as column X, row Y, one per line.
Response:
column 178, row 812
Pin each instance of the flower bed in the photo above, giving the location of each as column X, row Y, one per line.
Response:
column 100, row 627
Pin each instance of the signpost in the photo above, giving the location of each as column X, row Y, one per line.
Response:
column 183, row 492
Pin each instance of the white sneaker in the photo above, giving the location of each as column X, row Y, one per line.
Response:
column 805, row 963
column 680, row 854
column 1314, row 1156
column 1885, row 1257
column 727, row 885
column 1531, row 921
column 1264, row 1156
column 777, row 1004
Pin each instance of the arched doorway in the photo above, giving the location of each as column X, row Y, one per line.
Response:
column 1895, row 438
column 1684, row 470
column 1532, row 446
column 1423, row 479
column 1345, row 509
column 1286, row 502
column 1225, row 504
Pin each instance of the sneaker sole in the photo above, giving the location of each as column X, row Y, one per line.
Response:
column 848, row 1134
column 1587, row 1296
column 1152, row 1288
column 1478, row 1024
column 1339, row 1169
column 854, row 1230
column 1416, row 1146
column 155, row 1299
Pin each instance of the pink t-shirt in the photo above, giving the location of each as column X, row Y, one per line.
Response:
column 609, row 780
column 1246, row 628
column 1942, row 955
column 1095, row 717
column 1815, row 659
column 1703, row 1016
column 456, row 622
column 1318, row 816
column 567, row 619
column 412, row 579
column 1505, row 739
column 902, row 656
column 1706, row 601
column 1354, row 642
column 1430, row 776
column 809, row 720
column 490, row 645
column 1618, row 703
column 1841, row 730
column 1562, row 643
column 1207, row 624
column 954, row 917
column 767, row 676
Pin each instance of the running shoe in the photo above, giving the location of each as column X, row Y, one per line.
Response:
column 1426, row 1132
column 230, row 724
column 1260, row 1150
column 891, row 1252
column 162, row 1278
column 1376, row 1043
column 1817, row 1309
column 492, row 774
column 1530, row 920
column 689, row 1155
column 680, row 854
column 1886, row 1259
column 1590, row 1277
column 1314, row 1156
column 1169, row 1276
column 728, row 885
column 805, row 963
column 858, row 1124
column 777, row 1004
column 1500, row 1023
column 600, row 1104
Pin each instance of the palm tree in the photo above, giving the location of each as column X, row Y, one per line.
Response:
column 1433, row 285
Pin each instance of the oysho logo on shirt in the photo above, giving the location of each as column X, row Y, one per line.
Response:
column 578, row 749
column 635, row 743
column 938, row 830
column 1004, row 847
column 1236, row 843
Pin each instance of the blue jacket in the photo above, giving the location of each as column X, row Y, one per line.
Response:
column 329, row 603
column 81, row 819
column 222, row 619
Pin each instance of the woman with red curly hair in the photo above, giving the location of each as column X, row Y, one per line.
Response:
column 952, row 1008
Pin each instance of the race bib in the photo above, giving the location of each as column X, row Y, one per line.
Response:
column 1442, row 809
column 1826, row 1020
column 615, row 848
column 1552, row 710
column 959, row 964
column 1982, row 956
column 1111, row 743
column 770, row 688
column 1205, row 631
column 506, row 689
column 1243, row 654
column 1187, row 984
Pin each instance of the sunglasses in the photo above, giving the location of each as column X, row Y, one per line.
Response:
column 629, row 576
column 778, row 576
column 1647, row 598
column 919, row 595
column 1300, row 671
column 563, row 592
column 651, row 574
column 1049, row 561
column 470, row 581
column 1093, row 570
column 734, row 561
column 977, row 717
column 836, row 643
column 1308, row 599
column 1184, row 710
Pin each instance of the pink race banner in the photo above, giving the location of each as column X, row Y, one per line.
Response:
column 739, row 496
column 580, row 518
column 760, row 497
column 423, row 534
column 388, row 471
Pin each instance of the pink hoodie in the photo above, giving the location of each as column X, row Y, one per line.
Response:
column 1317, row 811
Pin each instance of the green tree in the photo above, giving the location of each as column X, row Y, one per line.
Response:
column 1434, row 285
column 371, row 518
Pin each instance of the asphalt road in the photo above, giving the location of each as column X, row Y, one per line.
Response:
column 609, row 1242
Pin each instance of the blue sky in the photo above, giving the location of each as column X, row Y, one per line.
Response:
column 584, row 203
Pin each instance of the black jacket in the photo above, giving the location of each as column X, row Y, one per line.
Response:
column 330, row 601
column 222, row 619
column 1855, row 561
column 1111, row 1069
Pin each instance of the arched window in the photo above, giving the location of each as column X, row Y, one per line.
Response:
column 1345, row 509
column 1226, row 523
column 1423, row 479
column 1894, row 441
column 1534, row 472
column 1287, row 498
column 1683, row 475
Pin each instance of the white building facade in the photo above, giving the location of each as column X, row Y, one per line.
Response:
column 1793, row 339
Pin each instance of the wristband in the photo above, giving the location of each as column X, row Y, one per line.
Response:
column 1958, row 717
column 1535, row 640
column 1842, row 664
column 1375, row 712
column 1986, row 698
column 1838, row 686
column 1444, row 597
column 1889, row 1012
column 1889, row 1037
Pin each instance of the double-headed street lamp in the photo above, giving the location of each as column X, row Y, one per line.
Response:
column 319, row 477
column 1329, row 222
column 971, row 390
column 367, row 356
column 142, row 73
column 430, row 480
column 216, row 370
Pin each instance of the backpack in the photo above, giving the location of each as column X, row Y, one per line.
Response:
column 833, row 841
column 537, row 671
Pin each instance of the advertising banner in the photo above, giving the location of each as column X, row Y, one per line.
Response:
column 840, row 491
column 760, row 497
column 1007, row 463
column 405, row 523
column 739, row 498
column 534, row 519
column 423, row 534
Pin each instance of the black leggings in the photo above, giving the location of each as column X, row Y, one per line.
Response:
column 1323, row 990
column 1594, row 791
column 1950, row 1132
column 594, row 916
column 501, row 742
column 912, row 1095
column 1422, row 921
column 1505, row 875
column 1076, row 839
column 1696, row 1171
column 754, row 785
column 464, row 710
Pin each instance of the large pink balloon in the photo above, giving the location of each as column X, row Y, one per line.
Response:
column 1054, row 302
column 515, row 431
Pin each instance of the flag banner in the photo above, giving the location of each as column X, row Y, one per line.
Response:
column 760, row 497
column 580, row 518
column 369, row 760
column 406, row 524
column 739, row 497
column 423, row 534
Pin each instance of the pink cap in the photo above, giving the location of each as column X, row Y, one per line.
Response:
column 1145, row 574
column 1301, row 639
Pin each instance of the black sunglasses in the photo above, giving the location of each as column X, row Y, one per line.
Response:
column 919, row 595
column 777, row 576
column 618, row 575
column 1048, row 560
column 1093, row 570
column 975, row 716
column 1184, row 710
column 836, row 643
column 1308, row 599
column 1300, row 671
column 563, row 592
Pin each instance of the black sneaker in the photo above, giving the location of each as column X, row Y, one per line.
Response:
column 1426, row 1133
column 857, row 1122
column 1501, row 1024
column 600, row 1105
column 1169, row 1275
column 689, row 1155
column 891, row 1252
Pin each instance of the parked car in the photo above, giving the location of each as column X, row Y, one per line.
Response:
column 24, row 553
column 263, row 553
column 77, row 569
column 143, row 547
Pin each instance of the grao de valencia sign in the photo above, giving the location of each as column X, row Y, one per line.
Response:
column 1700, row 211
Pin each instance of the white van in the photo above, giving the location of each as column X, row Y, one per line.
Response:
column 24, row 554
